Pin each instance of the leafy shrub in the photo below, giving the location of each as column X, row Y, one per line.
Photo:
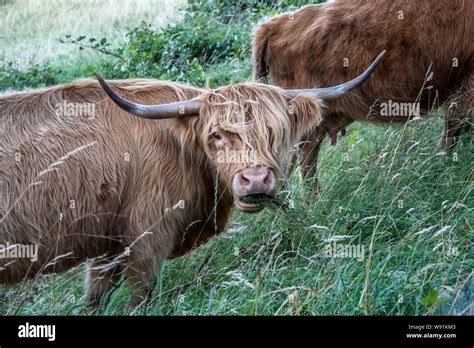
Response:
column 209, row 33
column 36, row 76
column 210, row 45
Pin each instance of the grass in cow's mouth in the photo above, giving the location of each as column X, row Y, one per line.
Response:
column 268, row 201
column 257, row 199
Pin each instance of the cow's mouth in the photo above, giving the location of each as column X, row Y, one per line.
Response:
column 253, row 202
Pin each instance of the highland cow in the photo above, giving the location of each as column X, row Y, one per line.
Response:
column 429, row 62
column 125, row 193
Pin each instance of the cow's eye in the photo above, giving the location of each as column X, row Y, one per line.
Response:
column 216, row 136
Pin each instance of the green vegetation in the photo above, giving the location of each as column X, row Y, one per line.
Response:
column 29, row 39
column 210, row 45
column 389, row 190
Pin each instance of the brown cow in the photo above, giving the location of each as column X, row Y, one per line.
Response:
column 430, row 61
column 82, row 179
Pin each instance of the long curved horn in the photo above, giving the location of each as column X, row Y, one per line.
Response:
column 330, row 93
column 171, row 110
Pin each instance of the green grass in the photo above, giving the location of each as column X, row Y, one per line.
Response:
column 395, row 193
column 31, row 28
column 32, row 54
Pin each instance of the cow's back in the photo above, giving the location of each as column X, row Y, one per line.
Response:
column 65, row 171
column 327, row 44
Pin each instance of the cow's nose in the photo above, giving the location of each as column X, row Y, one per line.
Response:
column 256, row 180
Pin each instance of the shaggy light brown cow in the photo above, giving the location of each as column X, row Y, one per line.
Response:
column 81, row 179
column 429, row 61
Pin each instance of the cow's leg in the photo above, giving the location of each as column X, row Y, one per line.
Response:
column 101, row 274
column 458, row 120
column 141, row 272
column 308, row 157
column 143, row 257
column 199, row 233
column 459, row 116
column 330, row 125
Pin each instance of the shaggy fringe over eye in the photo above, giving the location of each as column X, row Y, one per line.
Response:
column 263, row 119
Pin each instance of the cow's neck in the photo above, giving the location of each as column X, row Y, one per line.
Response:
column 214, row 207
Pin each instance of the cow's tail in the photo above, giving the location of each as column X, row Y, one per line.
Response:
column 259, row 55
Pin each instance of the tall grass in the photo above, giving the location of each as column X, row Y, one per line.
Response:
column 389, row 190
column 31, row 29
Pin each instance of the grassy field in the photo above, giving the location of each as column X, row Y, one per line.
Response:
column 31, row 28
column 388, row 191
column 32, row 54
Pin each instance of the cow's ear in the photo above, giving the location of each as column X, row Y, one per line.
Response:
column 305, row 113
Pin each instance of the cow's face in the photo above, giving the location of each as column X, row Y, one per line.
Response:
column 250, row 136
column 249, row 130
